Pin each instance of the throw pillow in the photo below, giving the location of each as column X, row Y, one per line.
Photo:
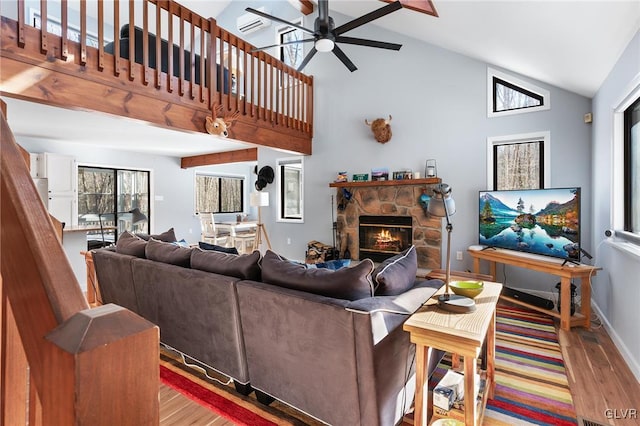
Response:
column 130, row 244
column 214, row 247
column 167, row 236
column 346, row 283
column 161, row 251
column 396, row 274
column 245, row 266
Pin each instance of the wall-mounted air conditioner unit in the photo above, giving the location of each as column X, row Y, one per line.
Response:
column 249, row 22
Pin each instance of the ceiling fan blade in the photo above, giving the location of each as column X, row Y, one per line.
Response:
column 307, row 58
column 369, row 43
column 258, row 49
column 275, row 18
column 323, row 11
column 379, row 13
column 346, row 61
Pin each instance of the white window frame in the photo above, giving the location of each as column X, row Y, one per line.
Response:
column 544, row 136
column 617, row 179
column 279, row 163
column 545, row 94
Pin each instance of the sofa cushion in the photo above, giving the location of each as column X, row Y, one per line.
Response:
column 396, row 274
column 164, row 252
column 243, row 266
column 215, row 247
column 346, row 283
column 131, row 245
column 168, row 236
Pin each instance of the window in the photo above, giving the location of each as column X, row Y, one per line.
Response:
column 107, row 197
column 219, row 194
column 292, row 53
column 509, row 95
column 631, row 165
column 290, row 186
column 518, row 161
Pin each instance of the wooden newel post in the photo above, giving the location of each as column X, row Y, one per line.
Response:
column 115, row 355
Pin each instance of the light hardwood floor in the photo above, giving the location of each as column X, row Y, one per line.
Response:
column 603, row 387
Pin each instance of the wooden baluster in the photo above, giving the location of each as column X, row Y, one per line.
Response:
column 44, row 41
column 181, row 59
column 64, row 25
column 170, row 54
column 192, row 58
column 83, row 32
column 132, row 41
column 237, row 70
column 21, row 36
column 203, row 75
column 223, row 35
column 116, row 37
column 310, row 105
column 273, row 77
column 259, row 77
column 100, row 36
column 211, row 59
column 158, row 79
column 245, row 59
column 145, row 43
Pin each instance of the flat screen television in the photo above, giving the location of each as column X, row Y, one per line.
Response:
column 540, row 221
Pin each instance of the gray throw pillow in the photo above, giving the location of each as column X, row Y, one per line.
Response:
column 245, row 266
column 396, row 274
column 346, row 283
column 168, row 236
column 173, row 254
column 131, row 245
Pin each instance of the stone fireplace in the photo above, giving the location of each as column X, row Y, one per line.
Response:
column 389, row 198
column 381, row 237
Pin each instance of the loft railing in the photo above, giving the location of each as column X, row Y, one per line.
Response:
column 175, row 51
column 60, row 362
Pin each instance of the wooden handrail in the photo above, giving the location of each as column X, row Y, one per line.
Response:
column 282, row 102
column 75, row 356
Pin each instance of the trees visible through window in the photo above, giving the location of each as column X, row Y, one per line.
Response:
column 518, row 161
column 507, row 94
column 291, row 52
column 219, row 194
column 631, row 165
column 107, row 197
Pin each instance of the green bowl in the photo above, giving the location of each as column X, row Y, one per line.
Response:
column 467, row 288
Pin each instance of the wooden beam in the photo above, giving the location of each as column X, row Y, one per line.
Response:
column 249, row 154
column 422, row 6
column 304, row 6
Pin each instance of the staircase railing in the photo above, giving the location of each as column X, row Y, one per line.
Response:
column 60, row 362
column 175, row 52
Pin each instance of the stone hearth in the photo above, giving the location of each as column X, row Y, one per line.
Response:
column 401, row 199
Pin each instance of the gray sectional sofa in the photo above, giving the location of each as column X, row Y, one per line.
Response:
column 321, row 341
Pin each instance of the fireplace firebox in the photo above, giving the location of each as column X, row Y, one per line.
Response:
column 382, row 237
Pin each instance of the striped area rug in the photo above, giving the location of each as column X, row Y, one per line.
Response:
column 531, row 383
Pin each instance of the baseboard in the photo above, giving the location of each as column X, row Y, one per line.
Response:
column 617, row 341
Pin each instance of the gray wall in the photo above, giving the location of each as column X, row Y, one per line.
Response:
column 438, row 102
column 615, row 289
column 173, row 199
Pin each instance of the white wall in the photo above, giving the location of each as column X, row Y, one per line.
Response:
column 616, row 292
column 173, row 199
column 438, row 102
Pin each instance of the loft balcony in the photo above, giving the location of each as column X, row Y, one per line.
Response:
column 152, row 60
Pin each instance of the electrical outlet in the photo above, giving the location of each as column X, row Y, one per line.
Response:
column 289, row 241
column 190, row 230
column 458, row 255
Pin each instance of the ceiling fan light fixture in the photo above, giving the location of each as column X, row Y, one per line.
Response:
column 324, row 45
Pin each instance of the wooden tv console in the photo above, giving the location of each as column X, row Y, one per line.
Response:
column 566, row 272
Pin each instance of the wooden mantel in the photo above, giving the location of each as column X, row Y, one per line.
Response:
column 396, row 182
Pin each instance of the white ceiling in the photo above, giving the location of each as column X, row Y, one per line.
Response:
column 569, row 44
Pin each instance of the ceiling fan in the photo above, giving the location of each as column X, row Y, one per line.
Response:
column 326, row 34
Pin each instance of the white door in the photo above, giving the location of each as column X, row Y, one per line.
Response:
column 63, row 208
column 62, row 174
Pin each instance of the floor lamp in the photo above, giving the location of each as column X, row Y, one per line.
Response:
column 259, row 200
column 443, row 205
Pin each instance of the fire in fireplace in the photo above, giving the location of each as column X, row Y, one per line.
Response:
column 382, row 237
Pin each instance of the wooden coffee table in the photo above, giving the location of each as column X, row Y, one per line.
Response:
column 460, row 334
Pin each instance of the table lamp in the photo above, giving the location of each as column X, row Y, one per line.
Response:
column 443, row 205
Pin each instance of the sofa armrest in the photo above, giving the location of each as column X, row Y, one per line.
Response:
column 389, row 312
